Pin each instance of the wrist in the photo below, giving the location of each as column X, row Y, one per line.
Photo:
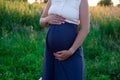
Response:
column 71, row 50
column 46, row 20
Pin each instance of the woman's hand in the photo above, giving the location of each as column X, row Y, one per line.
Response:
column 63, row 55
column 55, row 19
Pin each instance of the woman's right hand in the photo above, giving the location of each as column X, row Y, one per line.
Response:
column 55, row 19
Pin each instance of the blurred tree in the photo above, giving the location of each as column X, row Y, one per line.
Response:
column 118, row 5
column 105, row 2
column 45, row 1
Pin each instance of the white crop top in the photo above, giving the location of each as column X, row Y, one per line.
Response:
column 68, row 9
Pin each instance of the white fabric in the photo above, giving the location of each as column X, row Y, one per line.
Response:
column 68, row 9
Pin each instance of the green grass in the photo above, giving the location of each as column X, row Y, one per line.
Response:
column 22, row 42
column 21, row 55
column 15, row 13
column 101, row 58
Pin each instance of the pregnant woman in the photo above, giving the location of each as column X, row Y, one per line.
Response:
column 63, row 58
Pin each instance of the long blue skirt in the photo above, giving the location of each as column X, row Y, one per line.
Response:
column 61, row 37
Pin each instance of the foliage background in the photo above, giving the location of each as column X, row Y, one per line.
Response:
column 22, row 42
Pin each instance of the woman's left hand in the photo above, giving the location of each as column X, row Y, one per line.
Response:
column 63, row 55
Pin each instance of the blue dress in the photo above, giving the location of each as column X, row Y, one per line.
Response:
column 61, row 37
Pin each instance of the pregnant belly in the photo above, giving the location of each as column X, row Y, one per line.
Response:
column 61, row 37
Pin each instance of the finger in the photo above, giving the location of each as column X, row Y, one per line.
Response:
column 57, row 19
column 59, row 52
column 60, row 57
column 56, row 55
column 58, row 16
column 55, row 22
column 60, row 19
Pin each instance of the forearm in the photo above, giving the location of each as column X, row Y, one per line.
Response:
column 43, row 22
column 79, row 39
column 84, row 22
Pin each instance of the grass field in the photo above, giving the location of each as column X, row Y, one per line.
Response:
column 22, row 42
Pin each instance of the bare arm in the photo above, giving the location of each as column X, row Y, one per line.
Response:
column 84, row 22
column 43, row 21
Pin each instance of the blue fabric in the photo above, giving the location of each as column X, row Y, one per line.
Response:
column 61, row 37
